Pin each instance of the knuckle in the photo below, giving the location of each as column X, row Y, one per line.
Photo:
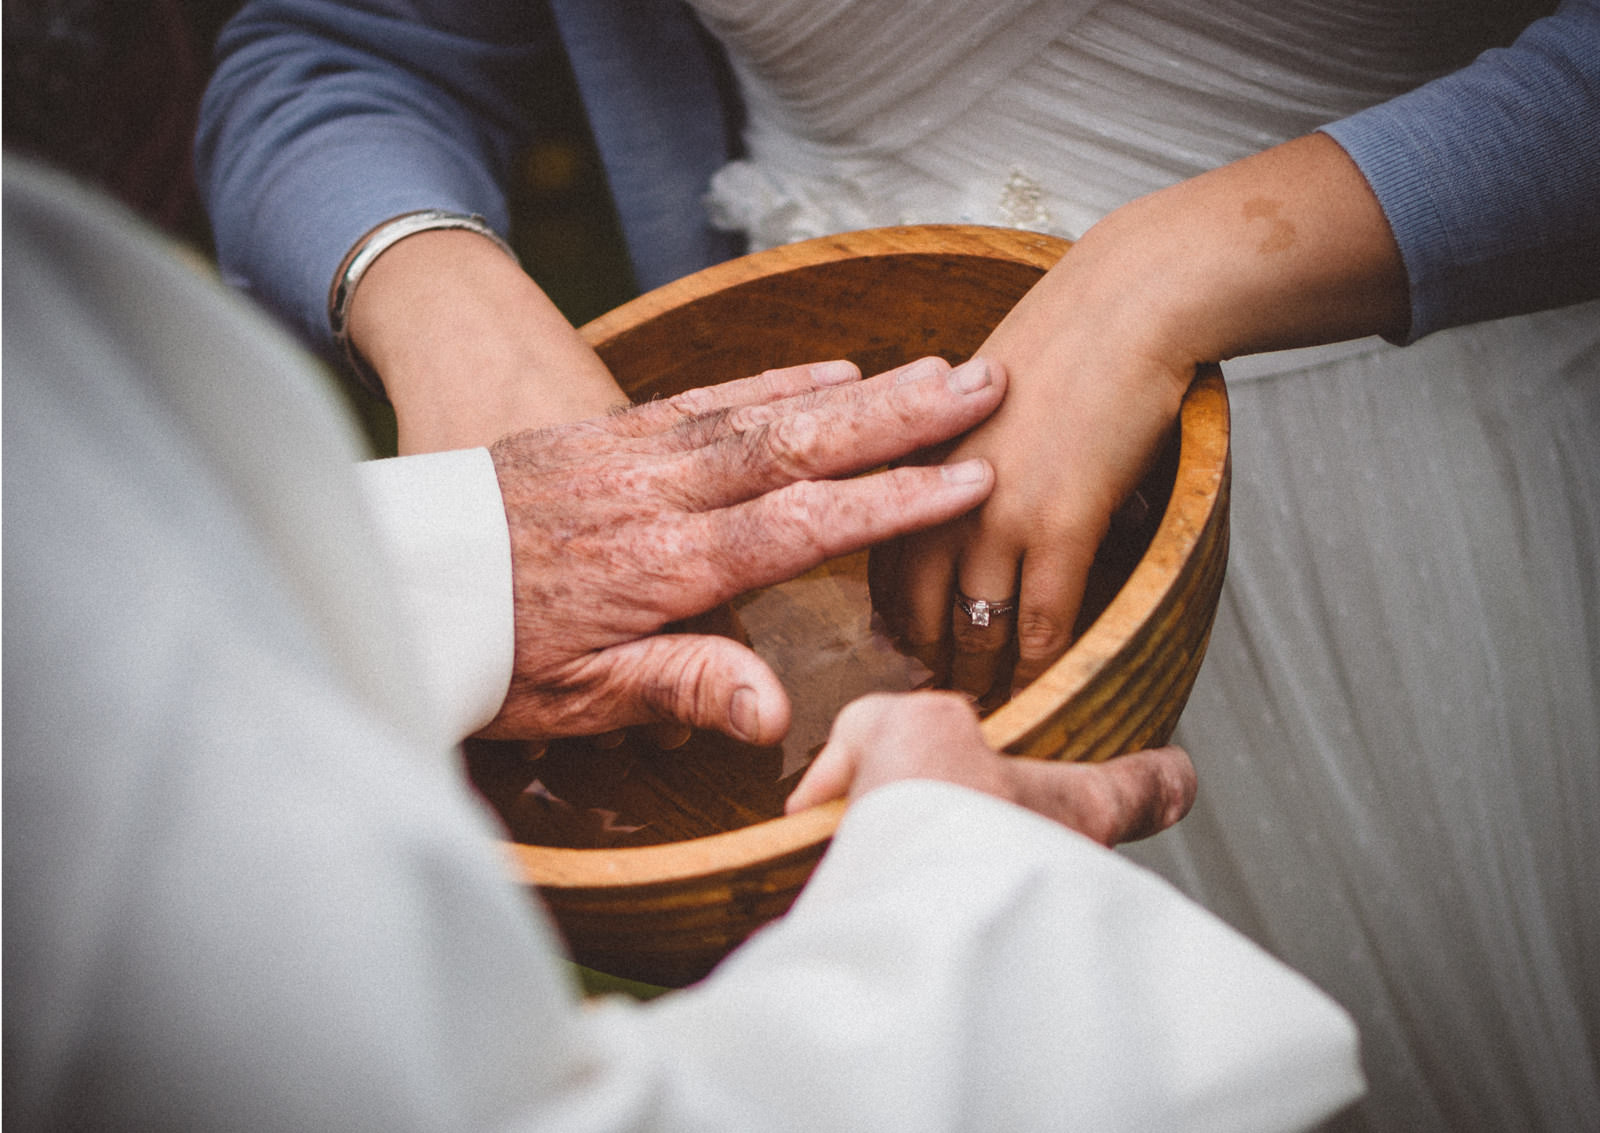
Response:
column 1102, row 815
column 682, row 689
column 790, row 443
column 976, row 640
column 893, row 719
column 803, row 506
column 950, row 710
column 692, row 403
column 902, row 489
column 1134, row 801
column 747, row 417
column 1006, row 516
column 915, row 403
column 1041, row 635
column 690, row 432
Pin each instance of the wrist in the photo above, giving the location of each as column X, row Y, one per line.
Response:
column 1287, row 248
column 353, row 269
column 468, row 347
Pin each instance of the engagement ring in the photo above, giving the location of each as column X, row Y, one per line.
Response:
column 979, row 611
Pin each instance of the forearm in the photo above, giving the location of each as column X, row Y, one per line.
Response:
column 1470, row 198
column 1286, row 248
column 325, row 119
column 468, row 348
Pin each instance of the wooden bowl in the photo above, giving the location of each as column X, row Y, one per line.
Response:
column 657, row 863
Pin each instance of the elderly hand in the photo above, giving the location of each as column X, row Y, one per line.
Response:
column 623, row 524
column 883, row 738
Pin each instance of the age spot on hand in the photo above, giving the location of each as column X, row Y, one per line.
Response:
column 1280, row 234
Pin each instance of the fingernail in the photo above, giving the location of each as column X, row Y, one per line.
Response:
column 606, row 741
column 834, row 373
column 925, row 368
column 744, row 714
column 966, row 472
column 969, row 377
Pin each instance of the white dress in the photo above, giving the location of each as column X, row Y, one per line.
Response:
column 1398, row 723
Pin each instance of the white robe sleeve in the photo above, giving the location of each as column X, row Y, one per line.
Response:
column 959, row 963
column 956, row 963
column 442, row 520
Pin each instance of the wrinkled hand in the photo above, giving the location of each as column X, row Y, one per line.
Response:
column 623, row 524
column 884, row 737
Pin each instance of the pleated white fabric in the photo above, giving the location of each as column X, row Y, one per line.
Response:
column 1398, row 725
column 1041, row 115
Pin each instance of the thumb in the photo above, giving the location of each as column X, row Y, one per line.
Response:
column 1121, row 800
column 702, row 681
column 829, row 776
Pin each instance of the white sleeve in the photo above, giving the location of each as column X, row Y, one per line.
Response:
column 959, row 963
column 442, row 520
column 956, row 962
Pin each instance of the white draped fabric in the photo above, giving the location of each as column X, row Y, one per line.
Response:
column 1398, row 725
column 246, row 886
column 1041, row 115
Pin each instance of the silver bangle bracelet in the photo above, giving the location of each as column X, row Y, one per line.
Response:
column 377, row 242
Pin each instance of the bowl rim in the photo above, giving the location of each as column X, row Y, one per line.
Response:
column 1196, row 493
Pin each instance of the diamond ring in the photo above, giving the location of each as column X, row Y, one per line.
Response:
column 979, row 610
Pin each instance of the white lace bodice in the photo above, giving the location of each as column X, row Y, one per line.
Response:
column 1040, row 115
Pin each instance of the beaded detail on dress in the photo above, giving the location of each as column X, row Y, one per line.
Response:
column 1037, row 115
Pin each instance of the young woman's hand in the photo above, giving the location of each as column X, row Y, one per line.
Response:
column 1287, row 248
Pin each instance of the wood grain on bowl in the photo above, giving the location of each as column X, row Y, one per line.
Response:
column 656, row 864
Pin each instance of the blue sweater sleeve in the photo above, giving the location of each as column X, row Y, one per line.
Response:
column 1490, row 176
column 326, row 118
